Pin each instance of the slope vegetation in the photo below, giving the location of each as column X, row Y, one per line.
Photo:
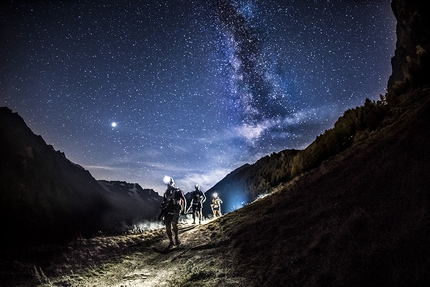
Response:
column 360, row 219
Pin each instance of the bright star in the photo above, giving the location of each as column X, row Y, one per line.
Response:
column 113, row 124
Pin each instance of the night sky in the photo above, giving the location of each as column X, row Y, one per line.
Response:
column 136, row 90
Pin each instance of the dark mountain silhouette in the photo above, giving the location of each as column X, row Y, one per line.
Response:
column 44, row 197
column 249, row 181
column 132, row 204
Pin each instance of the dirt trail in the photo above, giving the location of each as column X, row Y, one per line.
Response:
column 141, row 260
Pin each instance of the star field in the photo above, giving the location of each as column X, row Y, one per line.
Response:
column 135, row 90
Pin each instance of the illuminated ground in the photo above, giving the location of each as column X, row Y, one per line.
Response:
column 138, row 260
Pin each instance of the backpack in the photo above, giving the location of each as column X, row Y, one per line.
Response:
column 216, row 202
column 172, row 202
column 197, row 196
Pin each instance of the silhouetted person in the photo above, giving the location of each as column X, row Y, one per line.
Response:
column 173, row 204
column 216, row 205
column 197, row 200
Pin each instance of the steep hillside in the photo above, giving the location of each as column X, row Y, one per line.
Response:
column 43, row 196
column 360, row 219
column 247, row 182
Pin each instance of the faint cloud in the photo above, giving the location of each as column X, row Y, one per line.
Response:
column 205, row 179
column 254, row 131
column 279, row 126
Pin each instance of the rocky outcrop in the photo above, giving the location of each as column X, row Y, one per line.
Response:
column 411, row 62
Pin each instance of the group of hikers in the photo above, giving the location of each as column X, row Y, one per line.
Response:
column 174, row 204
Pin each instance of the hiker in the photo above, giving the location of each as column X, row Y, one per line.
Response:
column 197, row 200
column 174, row 203
column 216, row 205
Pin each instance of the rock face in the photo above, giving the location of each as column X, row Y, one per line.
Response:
column 43, row 196
column 411, row 62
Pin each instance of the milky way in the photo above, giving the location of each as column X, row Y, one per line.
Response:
column 195, row 88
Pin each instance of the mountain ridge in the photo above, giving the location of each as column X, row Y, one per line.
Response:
column 44, row 197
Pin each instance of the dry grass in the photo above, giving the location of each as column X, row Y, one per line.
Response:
column 360, row 219
column 127, row 260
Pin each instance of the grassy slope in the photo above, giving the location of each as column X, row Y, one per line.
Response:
column 360, row 219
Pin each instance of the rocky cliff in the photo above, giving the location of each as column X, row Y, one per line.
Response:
column 411, row 62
